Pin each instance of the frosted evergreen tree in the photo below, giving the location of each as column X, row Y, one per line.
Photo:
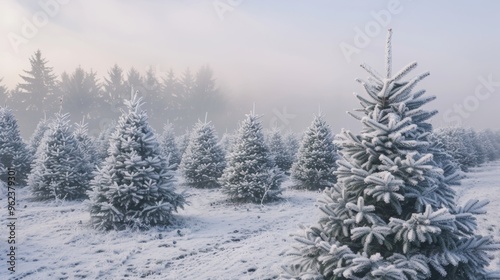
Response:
column 315, row 161
column 87, row 146
column 37, row 90
column 487, row 146
column 102, row 141
column 60, row 169
column 226, row 142
column 169, row 145
column 182, row 142
column 469, row 147
column 134, row 187
column 458, row 143
column 491, row 145
column 250, row 174
column 451, row 168
column 392, row 213
column 203, row 162
column 170, row 89
column 278, row 150
column 14, row 153
column 134, row 79
column 475, row 146
column 293, row 145
column 36, row 137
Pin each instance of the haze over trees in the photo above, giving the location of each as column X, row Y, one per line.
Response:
column 183, row 98
column 386, row 194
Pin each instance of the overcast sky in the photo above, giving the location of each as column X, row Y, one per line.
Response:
column 286, row 56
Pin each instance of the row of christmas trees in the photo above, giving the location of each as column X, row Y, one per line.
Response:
column 468, row 147
column 68, row 164
column 389, row 209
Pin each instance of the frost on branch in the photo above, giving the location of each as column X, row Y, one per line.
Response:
column 392, row 213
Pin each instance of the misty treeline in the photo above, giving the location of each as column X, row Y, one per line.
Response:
column 469, row 148
column 180, row 98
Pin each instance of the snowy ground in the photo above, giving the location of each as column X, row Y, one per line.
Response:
column 213, row 239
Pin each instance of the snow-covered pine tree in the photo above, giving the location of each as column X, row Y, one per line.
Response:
column 457, row 142
column 486, row 145
column 278, row 150
column 182, row 142
column 226, row 142
column 392, row 214
column 250, row 174
column 293, row 144
column 134, row 186
column 315, row 161
column 475, row 146
column 452, row 173
column 3, row 186
column 492, row 146
column 102, row 142
column 169, row 145
column 36, row 137
column 203, row 162
column 14, row 153
column 87, row 146
column 60, row 169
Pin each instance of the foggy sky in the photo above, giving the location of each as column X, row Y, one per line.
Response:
column 283, row 55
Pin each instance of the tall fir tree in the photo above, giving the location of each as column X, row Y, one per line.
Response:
column 169, row 146
column 134, row 187
column 315, row 160
column 206, row 96
column 392, row 213
column 152, row 94
column 203, row 162
column 170, row 90
column 114, row 87
column 250, row 174
column 37, row 92
column 14, row 153
column 134, row 79
column 87, row 145
column 80, row 93
column 60, row 169
column 186, row 112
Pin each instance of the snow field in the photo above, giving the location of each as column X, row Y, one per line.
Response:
column 212, row 238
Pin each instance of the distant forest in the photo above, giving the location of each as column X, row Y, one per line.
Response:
column 178, row 98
